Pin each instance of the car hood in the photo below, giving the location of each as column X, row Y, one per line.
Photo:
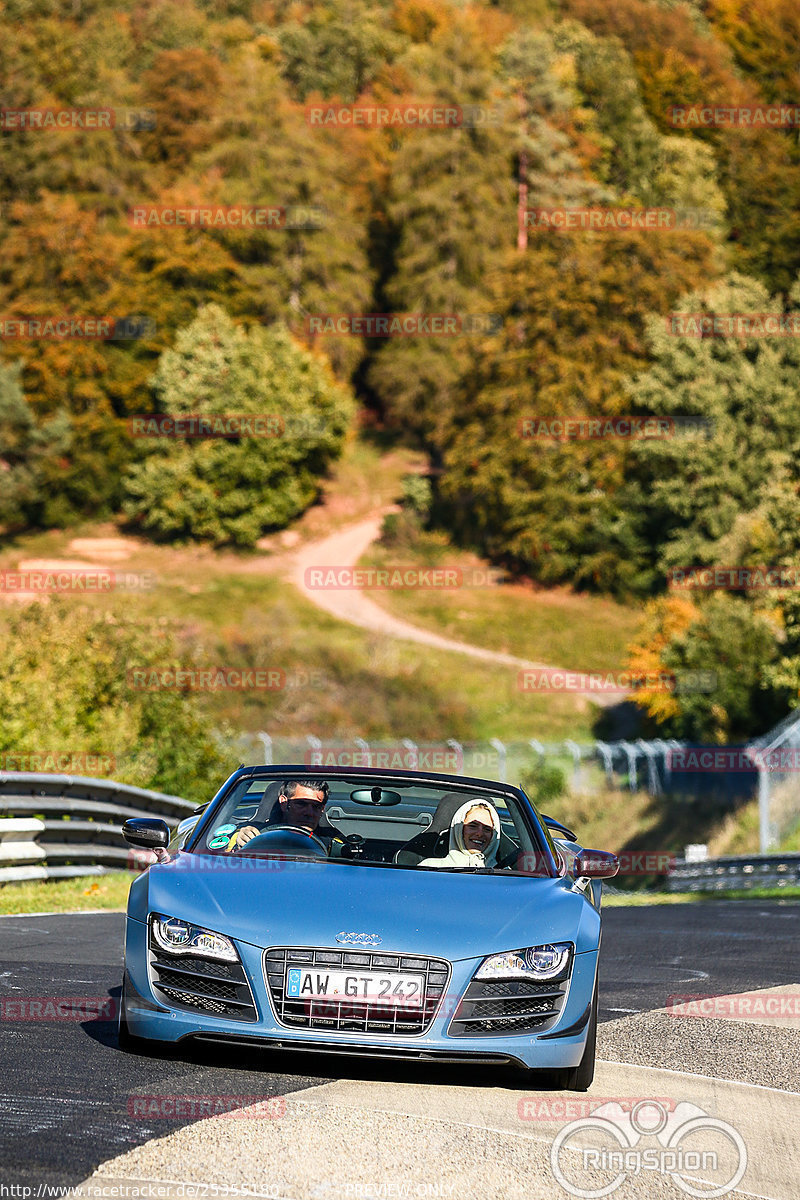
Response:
column 446, row 913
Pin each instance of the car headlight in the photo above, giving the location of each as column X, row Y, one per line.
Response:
column 180, row 937
column 537, row 962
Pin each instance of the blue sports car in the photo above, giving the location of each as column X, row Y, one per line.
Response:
column 399, row 914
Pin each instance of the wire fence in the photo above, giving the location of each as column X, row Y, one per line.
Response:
column 726, row 777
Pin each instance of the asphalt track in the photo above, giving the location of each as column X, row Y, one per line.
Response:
column 66, row 1091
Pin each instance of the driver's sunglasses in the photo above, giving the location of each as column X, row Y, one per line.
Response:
column 306, row 802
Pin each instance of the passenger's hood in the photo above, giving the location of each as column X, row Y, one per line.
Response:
column 452, row 914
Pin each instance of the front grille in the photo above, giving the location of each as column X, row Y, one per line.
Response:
column 507, row 1006
column 203, row 985
column 351, row 1014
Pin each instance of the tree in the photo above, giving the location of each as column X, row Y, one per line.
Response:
column 26, row 451
column 728, row 495
column 730, row 643
column 233, row 489
column 573, row 328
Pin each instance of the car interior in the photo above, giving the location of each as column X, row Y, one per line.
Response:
column 378, row 825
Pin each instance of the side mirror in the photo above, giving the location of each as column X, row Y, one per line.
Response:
column 595, row 864
column 147, row 833
column 552, row 823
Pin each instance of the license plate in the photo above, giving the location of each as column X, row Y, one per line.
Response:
column 390, row 987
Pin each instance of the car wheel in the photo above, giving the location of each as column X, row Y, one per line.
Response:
column 127, row 1041
column 579, row 1079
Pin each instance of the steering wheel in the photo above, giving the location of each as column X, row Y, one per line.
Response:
column 286, row 841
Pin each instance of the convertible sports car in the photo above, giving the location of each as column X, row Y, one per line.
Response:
column 400, row 914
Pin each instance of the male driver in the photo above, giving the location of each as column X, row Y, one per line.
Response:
column 301, row 802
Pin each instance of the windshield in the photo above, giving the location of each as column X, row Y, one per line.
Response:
column 375, row 821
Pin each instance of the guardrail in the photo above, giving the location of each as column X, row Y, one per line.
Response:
column 57, row 826
column 737, row 872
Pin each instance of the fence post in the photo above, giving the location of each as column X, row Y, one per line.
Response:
column 407, row 744
column 575, row 751
column 653, row 781
column 606, row 752
column 459, row 749
column 764, row 831
column 364, row 748
column 266, row 742
column 316, row 748
column 497, row 745
column 631, row 752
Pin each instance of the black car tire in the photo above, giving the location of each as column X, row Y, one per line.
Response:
column 579, row 1079
column 127, row 1041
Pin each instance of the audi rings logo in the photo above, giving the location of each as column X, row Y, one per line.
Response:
column 359, row 939
column 594, row 1156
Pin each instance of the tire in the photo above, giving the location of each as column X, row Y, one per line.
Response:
column 128, row 1042
column 579, row 1079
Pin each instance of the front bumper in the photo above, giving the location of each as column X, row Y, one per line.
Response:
column 562, row 1044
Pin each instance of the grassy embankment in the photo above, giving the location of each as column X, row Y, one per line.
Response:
column 110, row 893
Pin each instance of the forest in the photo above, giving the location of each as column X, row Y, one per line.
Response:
column 251, row 180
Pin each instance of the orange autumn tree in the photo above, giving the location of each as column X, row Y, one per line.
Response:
column 666, row 618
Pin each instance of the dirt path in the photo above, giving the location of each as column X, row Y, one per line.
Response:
column 343, row 549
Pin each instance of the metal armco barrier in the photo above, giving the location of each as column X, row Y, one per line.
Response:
column 740, row 872
column 56, row 826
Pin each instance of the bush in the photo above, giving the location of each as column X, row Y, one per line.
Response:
column 231, row 490
column 65, row 689
column 544, row 783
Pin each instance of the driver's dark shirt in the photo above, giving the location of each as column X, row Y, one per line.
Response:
column 331, row 838
column 327, row 833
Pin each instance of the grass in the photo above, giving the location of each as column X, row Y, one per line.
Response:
column 240, row 610
column 557, row 626
column 109, row 893
column 640, row 899
column 104, row 893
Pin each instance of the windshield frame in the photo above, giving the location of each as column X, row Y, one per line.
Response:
column 365, row 776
